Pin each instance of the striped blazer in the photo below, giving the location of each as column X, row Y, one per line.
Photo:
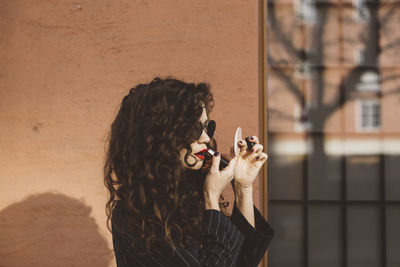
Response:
column 229, row 241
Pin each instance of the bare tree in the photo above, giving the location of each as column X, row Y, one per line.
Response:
column 319, row 112
column 377, row 14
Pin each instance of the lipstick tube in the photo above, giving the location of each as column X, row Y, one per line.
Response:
column 223, row 163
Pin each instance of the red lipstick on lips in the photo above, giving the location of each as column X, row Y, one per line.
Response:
column 210, row 153
column 201, row 154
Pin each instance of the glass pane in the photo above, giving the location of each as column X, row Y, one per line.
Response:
column 280, row 16
column 362, row 173
column 286, row 219
column 358, row 50
column 284, row 118
column 363, row 236
column 285, row 177
column 324, row 224
column 324, row 92
column 389, row 18
column 333, row 100
column 392, row 170
column 325, row 44
column 393, row 235
column 324, row 172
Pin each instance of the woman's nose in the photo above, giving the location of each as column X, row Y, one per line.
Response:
column 204, row 138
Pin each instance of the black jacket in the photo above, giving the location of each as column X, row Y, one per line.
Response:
column 228, row 242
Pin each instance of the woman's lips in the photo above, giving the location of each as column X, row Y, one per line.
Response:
column 201, row 154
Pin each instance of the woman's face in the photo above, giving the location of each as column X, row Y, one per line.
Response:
column 196, row 147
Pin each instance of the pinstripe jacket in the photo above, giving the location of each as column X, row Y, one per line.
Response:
column 228, row 242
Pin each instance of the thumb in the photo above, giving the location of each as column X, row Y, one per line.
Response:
column 231, row 165
column 215, row 162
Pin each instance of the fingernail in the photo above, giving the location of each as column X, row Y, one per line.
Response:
column 251, row 138
column 252, row 150
column 216, row 154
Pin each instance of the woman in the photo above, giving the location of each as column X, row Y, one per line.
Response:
column 165, row 200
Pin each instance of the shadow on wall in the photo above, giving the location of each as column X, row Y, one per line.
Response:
column 51, row 230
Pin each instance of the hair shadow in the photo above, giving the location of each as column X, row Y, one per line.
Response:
column 51, row 230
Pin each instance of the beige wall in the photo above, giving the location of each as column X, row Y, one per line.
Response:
column 64, row 68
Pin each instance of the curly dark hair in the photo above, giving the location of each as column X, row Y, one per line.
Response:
column 161, row 201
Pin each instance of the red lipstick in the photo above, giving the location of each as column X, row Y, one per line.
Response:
column 209, row 153
column 201, row 154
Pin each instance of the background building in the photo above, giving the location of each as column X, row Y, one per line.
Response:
column 333, row 90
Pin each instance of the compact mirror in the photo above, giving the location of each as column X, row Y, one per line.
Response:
column 238, row 137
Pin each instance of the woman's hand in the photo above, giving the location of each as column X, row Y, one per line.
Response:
column 248, row 163
column 216, row 181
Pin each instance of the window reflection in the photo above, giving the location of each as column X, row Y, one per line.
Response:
column 333, row 87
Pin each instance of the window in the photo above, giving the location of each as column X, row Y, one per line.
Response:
column 359, row 57
column 303, row 70
column 369, row 82
column 333, row 172
column 361, row 12
column 302, row 124
column 306, row 11
column 369, row 118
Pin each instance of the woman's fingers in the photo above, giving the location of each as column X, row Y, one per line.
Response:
column 243, row 144
column 255, row 152
column 254, row 139
column 215, row 163
column 262, row 157
column 243, row 147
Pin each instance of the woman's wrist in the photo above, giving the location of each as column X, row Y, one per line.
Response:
column 242, row 187
column 244, row 202
column 211, row 201
column 243, row 193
